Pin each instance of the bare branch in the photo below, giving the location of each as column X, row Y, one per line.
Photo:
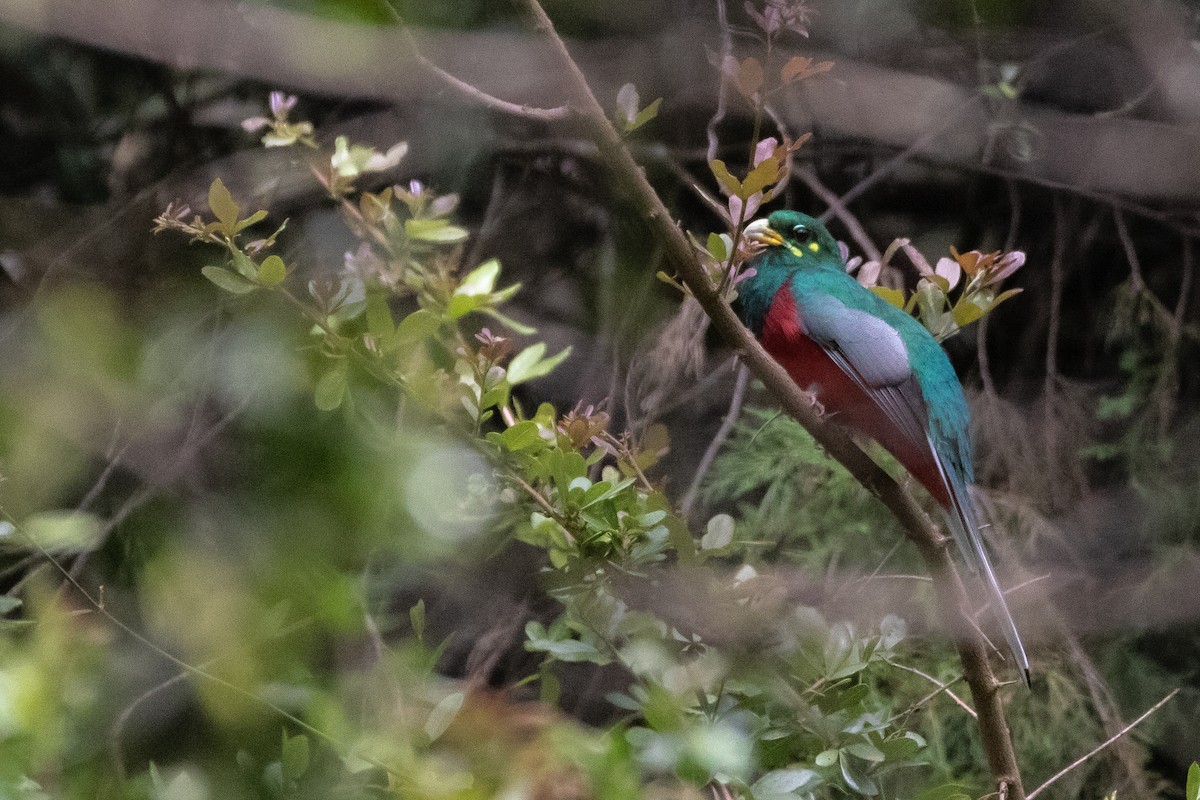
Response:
column 1103, row 745
column 838, row 209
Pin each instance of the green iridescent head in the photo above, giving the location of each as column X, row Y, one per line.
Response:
column 794, row 232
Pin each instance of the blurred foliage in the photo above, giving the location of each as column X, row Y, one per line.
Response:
column 286, row 602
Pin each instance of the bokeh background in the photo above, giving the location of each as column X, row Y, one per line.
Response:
column 161, row 442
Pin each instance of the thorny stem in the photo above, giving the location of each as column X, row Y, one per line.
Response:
column 942, row 688
column 630, row 179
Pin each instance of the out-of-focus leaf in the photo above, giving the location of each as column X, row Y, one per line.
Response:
column 272, row 271
column 716, row 247
column 257, row 216
column 893, row 296
column 783, row 783
column 436, row 231
column 421, row 324
column 331, row 387
column 718, row 533
column 62, row 531
column 646, row 114
column 228, row 280
column 443, row 714
column 294, row 758
column 724, row 177
column 750, row 76
column 222, row 205
column 765, row 174
column 529, row 364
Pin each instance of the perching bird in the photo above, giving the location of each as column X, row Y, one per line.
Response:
column 874, row 367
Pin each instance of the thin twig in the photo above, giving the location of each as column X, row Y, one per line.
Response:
column 710, row 454
column 1185, row 285
column 1057, row 279
column 1103, row 745
column 468, row 91
column 117, row 734
column 723, row 86
column 836, row 207
column 1135, row 265
column 904, row 155
column 942, row 687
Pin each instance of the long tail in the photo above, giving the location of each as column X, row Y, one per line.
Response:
column 964, row 524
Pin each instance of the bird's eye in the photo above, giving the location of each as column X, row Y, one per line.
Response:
column 803, row 234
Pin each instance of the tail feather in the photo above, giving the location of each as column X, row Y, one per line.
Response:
column 964, row 525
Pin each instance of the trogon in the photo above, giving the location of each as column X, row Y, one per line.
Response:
column 874, row 368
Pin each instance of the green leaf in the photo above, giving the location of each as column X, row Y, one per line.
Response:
column 481, row 280
column 524, row 361
column 725, row 177
column 379, row 318
column 228, row 280
column 416, row 617
column 866, row 751
column 256, row 217
column 783, row 783
column 331, row 387
column 223, row 206
column 1192, row 792
column 550, row 689
column 826, row 758
column 244, row 265
column 529, row 364
column 965, row 312
column 893, row 296
column 183, row 786
column 947, row 791
column 716, row 247
column 525, row 435
column 272, row 271
column 295, row 756
column 443, row 714
column 854, row 777
column 421, row 324
column 645, row 115
column 436, row 231
column 605, row 491
column 62, row 531
column 765, row 174
column 718, row 533
column 509, row 322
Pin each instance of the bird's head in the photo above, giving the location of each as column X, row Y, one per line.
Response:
column 795, row 233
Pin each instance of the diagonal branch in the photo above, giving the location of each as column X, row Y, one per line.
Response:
column 631, row 180
column 1103, row 744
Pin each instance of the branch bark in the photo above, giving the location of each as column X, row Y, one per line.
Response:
column 629, row 178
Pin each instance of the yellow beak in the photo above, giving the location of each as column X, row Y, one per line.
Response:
column 760, row 232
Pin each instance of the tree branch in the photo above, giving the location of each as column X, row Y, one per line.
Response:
column 1102, row 745
column 631, row 180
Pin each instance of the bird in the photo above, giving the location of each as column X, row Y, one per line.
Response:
column 874, row 369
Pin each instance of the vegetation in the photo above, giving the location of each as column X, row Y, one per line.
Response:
column 376, row 525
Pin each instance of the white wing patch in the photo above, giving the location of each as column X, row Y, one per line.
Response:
column 873, row 347
column 872, row 353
